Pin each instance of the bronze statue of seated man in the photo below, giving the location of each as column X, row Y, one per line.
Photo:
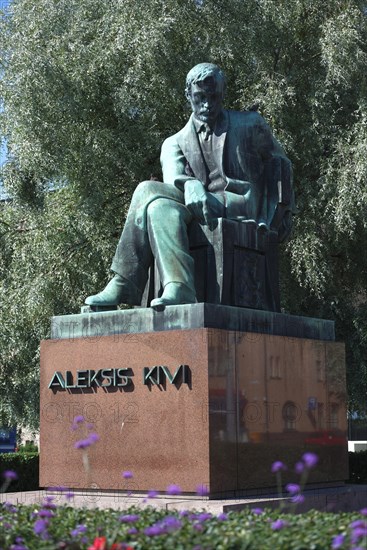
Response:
column 216, row 166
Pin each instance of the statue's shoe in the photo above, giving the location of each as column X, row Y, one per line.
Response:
column 118, row 291
column 174, row 294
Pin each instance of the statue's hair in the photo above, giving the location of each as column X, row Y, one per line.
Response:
column 202, row 71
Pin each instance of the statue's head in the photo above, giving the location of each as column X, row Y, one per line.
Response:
column 205, row 88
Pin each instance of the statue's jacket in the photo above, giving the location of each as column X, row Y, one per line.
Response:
column 255, row 174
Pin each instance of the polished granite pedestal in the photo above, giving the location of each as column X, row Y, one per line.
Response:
column 195, row 395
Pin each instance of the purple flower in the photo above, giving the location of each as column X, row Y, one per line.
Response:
column 278, row 466
column 358, row 533
column 297, row 499
column 79, row 530
column 19, row 546
column 222, row 516
column 69, row 495
column 202, row 490
column 278, row 525
column 85, row 443
column 363, row 511
column 171, row 523
column 257, row 511
column 293, row 488
column 9, row 507
column 79, row 419
column 127, row 475
column 48, row 502
column 153, row 531
column 299, row 467
column 358, row 523
column 93, row 438
column 183, row 513
column 198, row 527
column 337, row 542
column 82, row 444
column 204, row 516
column 10, row 475
column 152, row 494
column 129, row 518
column 132, row 531
column 44, row 513
column 173, row 490
column 40, row 526
column 310, row 460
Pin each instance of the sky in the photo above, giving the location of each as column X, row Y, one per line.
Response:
column 4, row 3
column 2, row 151
column 2, row 154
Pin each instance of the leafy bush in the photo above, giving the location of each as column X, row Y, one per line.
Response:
column 29, row 447
column 26, row 465
column 26, row 527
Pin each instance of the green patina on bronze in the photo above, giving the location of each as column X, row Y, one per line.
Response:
column 222, row 164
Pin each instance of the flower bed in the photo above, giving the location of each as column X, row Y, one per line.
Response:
column 58, row 526
column 52, row 527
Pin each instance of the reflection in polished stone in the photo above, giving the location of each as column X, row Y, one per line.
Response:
column 273, row 398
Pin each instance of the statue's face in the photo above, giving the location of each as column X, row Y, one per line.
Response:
column 206, row 100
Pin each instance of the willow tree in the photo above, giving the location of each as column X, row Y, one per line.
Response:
column 90, row 88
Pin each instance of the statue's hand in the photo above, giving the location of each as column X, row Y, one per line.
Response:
column 196, row 200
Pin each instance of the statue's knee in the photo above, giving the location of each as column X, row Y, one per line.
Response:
column 158, row 207
column 145, row 188
column 146, row 183
column 165, row 210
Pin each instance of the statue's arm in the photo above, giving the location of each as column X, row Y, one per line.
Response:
column 173, row 164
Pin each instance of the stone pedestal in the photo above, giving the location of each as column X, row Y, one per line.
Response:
column 203, row 405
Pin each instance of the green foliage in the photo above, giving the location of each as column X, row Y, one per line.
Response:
column 241, row 530
column 26, row 465
column 90, row 91
column 28, row 447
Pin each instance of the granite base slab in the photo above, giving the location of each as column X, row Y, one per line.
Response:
column 186, row 317
column 345, row 498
